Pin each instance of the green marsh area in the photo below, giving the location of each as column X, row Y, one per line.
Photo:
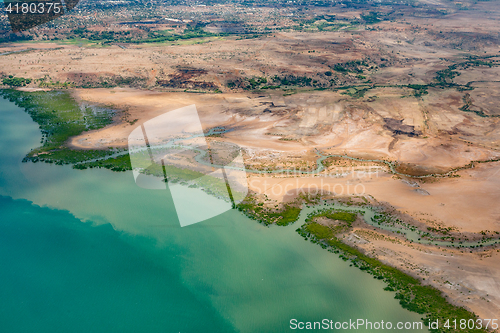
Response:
column 411, row 293
column 90, row 251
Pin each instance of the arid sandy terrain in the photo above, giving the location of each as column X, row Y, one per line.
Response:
column 467, row 279
column 467, row 203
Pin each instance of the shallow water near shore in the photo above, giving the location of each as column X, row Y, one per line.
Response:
column 103, row 255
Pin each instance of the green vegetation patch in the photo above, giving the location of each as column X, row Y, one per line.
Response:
column 106, row 37
column 320, row 231
column 410, row 292
column 338, row 215
column 120, row 163
column 355, row 66
column 371, row 17
column 419, row 89
column 60, row 117
column 286, row 215
column 284, row 82
column 68, row 156
column 16, row 81
column 356, row 92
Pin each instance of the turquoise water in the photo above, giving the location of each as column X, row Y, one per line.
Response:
column 89, row 251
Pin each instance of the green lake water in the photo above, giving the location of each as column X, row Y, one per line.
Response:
column 90, row 251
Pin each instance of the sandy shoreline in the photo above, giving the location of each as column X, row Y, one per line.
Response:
column 466, row 203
